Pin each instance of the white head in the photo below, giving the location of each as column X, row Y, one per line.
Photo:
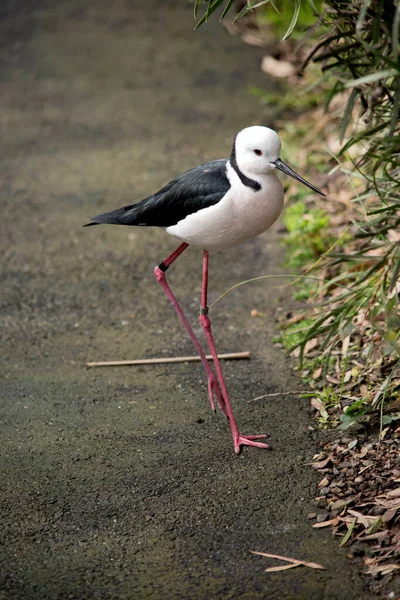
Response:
column 256, row 151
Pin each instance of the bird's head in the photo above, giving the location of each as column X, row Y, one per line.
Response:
column 256, row 151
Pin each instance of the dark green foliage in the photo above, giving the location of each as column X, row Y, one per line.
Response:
column 361, row 53
column 356, row 44
column 306, row 239
column 288, row 13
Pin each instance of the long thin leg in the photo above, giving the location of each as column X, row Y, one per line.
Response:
column 159, row 272
column 238, row 439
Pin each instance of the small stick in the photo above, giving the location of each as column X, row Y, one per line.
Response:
column 276, row 394
column 159, row 361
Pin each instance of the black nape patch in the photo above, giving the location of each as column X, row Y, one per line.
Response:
column 251, row 183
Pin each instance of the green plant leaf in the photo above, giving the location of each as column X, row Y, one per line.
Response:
column 361, row 17
column 314, row 7
column 248, row 7
column 212, row 6
column 348, row 420
column 347, row 113
column 348, row 532
column 371, row 77
column 226, row 8
column 395, row 33
column 395, row 274
column 292, row 25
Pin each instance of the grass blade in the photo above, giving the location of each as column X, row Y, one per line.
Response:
column 361, row 17
column 395, row 274
column 313, row 7
column 212, row 6
column 226, row 8
column 395, row 34
column 347, row 113
column 249, row 6
column 370, row 78
column 292, row 25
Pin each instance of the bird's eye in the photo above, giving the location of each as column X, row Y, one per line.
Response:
column 258, row 152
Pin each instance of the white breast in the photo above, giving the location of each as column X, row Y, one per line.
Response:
column 241, row 214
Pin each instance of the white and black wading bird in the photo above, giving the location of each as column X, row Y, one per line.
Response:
column 216, row 206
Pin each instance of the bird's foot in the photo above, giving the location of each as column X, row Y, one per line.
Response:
column 248, row 440
column 214, row 389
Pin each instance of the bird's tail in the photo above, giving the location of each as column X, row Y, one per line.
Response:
column 121, row 216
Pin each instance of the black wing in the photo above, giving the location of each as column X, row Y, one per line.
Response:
column 198, row 188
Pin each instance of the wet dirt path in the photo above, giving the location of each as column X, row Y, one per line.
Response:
column 122, row 483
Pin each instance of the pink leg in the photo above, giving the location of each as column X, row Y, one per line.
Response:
column 159, row 272
column 238, row 439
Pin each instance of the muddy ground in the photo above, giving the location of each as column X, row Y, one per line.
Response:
column 122, row 483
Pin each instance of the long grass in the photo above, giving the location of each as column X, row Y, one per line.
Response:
column 359, row 60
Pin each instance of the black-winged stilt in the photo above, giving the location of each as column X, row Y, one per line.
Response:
column 215, row 206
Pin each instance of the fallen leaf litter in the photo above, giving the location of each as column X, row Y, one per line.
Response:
column 359, row 494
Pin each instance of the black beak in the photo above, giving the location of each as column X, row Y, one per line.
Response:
column 279, row 164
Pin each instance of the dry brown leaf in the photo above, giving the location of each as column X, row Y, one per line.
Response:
column 277, row 68
column 295, row 561
column 378, row 393
column 389, row 514
column 282, row 568
column 379, row 535
column 339, row 504
column 384, row 432
column 365, row 468
column 322, row 464
column 310, row 345
column 347, row 376
column 394, row 503
column 318, row 404
column 313, row 565
column 365, row 520
column 383, row 569
column 277, row 556
column 332, row 522
column 254, row 39
column 323, row 483
column 345, row 346
column 322, row 455
column 317, row 373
